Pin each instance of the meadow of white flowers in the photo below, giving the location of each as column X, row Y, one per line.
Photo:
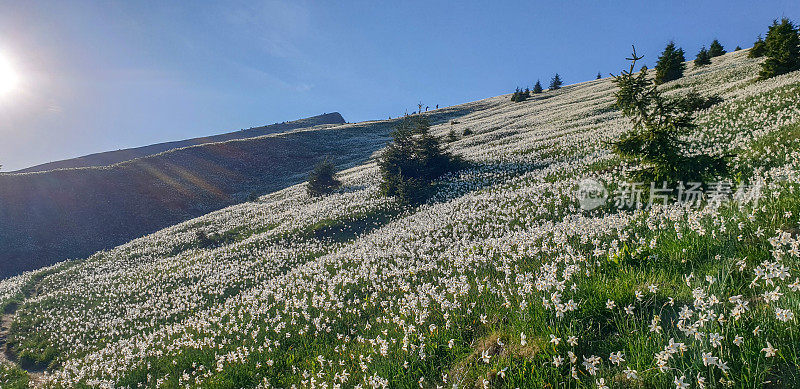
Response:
column 500, row 281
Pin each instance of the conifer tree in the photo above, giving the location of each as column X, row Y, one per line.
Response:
column 322, row 180
column 599, row 76
column 538, row 87
column 716, row 49
column 758, row 49
column 655, row 142
column 782, row 49
column 412, row 161
column 556, row 82
column 737, row 48
column 703, row 58
column 670, row 65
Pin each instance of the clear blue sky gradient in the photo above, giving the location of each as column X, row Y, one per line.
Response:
column 106, row 75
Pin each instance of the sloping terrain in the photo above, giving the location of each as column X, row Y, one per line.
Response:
column 46, row 217
column 117, row 156
column 500, row 281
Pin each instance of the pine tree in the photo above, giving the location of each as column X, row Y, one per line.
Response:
column 655, row 142
column 782, row 49
column 737, row 48
column 758, row 49
column 703, row 58
column 716, row 49
column 412, row 161
column 538, row 87
column 670, row 65
column 520, row 95
column 599, row 76
column 322, row 180
column 556, row 82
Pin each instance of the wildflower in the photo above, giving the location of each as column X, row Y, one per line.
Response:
column 715, row 340
column 601, row 383
column 709, row 359
column 610, row 304
column 590, row 364
column 784, row 315
column 616, row 358
column 557, row 360
column 655, row 324
column 485, row 357
column 451, row 343
column 679, row 384
column 572, row 357
column 629, row 309
column 522, row 338
column 572, row 341
column 554, row 340
column 631, row 374
column 738, row 340
column 769, row 350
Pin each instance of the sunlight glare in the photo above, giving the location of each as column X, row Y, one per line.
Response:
column 8, row 76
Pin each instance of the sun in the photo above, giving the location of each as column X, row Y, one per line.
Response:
column 8, row 76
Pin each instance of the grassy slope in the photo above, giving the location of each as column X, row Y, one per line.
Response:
column 470, row 289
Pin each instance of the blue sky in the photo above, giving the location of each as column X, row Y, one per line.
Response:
column 99, row 76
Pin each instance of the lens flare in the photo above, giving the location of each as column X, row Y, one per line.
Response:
column 8, row 76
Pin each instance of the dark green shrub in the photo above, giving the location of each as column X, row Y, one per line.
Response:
column 670, row 65
column 737, row 48
column 556, row 82
column 451, row 136
column 467, row 132
column 693, row 102
column 782, row 49
column 703, row 58
column 654, row 142
column 412, row 161
column 322, row 180
column 716, row 49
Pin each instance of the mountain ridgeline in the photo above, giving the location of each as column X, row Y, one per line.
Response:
column 117, row 156
column 72, row 208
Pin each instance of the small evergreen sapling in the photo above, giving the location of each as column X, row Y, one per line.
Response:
column 655, row 142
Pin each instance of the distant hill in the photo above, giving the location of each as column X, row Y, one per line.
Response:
column 54, row 215
column 117, row 156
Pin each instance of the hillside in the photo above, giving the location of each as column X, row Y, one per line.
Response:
column 47, row 217
column 117, row 156
column 501, row 280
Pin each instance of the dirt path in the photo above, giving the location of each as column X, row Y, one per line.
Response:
column 6, row 356
column 5, row 327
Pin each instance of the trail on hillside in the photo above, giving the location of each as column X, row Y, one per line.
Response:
column 36, row 374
